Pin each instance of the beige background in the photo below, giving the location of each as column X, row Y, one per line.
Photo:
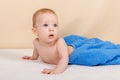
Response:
column 90, row 18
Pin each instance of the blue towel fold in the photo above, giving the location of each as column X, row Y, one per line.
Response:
column 93, row 51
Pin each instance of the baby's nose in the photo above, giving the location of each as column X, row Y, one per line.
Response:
column 51, row 29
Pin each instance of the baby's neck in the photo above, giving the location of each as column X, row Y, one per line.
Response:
column 47, row 44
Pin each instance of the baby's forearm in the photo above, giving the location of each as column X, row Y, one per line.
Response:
column 61, row 66
column 35, row 55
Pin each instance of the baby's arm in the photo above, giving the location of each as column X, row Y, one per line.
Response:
column 33, row 57
column 35, row 54
column 63, row 54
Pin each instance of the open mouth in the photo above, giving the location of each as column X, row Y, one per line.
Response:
column 51, row 36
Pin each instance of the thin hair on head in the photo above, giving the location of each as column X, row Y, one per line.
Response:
column 41, row 11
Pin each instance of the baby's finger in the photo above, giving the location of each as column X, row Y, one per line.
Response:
column 51, row 72
column 46, row 71
column 26, row 57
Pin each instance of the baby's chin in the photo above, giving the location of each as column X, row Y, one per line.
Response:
column 53, row 39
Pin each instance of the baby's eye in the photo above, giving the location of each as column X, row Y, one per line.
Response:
column 45, row 25
column 55, row 25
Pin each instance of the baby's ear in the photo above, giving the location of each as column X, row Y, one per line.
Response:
column 34, row 30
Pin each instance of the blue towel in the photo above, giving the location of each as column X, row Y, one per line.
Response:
column 92, row 51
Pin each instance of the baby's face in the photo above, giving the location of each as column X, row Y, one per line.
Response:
column 47, row 27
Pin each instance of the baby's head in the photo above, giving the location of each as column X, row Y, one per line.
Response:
column 41, row 12
column 45, row 24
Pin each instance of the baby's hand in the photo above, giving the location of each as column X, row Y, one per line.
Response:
column 27, row 57
column 50, row 71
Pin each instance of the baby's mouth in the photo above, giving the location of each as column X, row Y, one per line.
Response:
column 51, row 36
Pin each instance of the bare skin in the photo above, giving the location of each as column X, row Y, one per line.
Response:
column 48, row 55
column 48, row 45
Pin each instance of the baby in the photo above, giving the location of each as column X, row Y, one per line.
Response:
column 48, row 45
column 72, row 49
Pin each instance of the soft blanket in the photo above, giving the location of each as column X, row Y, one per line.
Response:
column 92, row 51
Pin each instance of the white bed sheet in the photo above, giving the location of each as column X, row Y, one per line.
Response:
column 12, row 67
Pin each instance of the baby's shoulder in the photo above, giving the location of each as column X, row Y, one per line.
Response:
column 60, row 41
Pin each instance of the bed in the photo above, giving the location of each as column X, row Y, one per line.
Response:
column 12, row 67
